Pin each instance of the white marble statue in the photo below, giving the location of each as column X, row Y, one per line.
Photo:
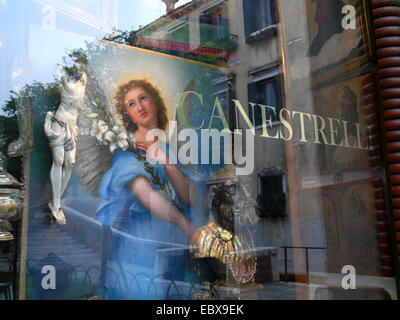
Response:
column 61, row 130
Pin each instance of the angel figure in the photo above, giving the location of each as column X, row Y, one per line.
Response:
column 145, row 199
column 142, row 109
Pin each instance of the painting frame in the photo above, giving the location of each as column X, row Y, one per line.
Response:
column 342, row 100
column 346, row 210
column 294, row 50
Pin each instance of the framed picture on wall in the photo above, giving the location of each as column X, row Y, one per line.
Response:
column 346, row 213
column 344, row 136
column 327, row 49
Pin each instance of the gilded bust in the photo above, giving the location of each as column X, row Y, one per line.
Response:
column 224, row 247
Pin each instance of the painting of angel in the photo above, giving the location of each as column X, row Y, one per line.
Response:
column 143, row 109
column 147, row 200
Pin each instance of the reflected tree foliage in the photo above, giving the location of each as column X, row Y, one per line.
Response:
column 43, row 98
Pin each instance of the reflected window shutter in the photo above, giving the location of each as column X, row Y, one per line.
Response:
column 252, row 94
column 248, row 10
column 274, row 12
column 225, row 27
column 278, row 85
column 203, row 30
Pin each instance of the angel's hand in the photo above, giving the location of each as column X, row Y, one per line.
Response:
column 153, row 151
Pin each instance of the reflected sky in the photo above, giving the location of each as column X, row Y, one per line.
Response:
column 35, row 34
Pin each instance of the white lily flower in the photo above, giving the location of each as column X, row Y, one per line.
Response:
column 109, row 136
column 122, row 140
column 98, row 129
column 118, row 140
column 116, row 129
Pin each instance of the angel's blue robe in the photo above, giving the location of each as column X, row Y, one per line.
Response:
column 142, row 247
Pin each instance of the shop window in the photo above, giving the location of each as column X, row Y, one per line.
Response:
column 267, row 92
column 271, row 198
column 259, row 15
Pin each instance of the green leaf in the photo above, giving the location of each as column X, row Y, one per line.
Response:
column 92, row 115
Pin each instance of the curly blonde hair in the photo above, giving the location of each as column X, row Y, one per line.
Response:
column 123, row 89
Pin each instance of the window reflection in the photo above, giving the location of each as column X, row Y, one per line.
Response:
column 306, row 89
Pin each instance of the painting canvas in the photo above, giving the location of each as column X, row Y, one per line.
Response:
column 84, row 250
column 329, row 49
column 343, row 101
column 348, row 225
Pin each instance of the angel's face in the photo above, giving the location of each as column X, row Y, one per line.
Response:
column 141, row 108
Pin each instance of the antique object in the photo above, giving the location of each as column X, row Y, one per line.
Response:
column 226, row 254
column 10, row 200
column 61, row 130
column 236, row 253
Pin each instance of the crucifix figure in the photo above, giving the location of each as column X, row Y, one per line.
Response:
column 61, row 130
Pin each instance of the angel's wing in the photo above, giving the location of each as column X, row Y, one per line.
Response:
column 93, row 160
column 187, row 111
column 210, row 85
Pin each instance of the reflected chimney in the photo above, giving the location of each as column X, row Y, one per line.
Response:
column 170, row 5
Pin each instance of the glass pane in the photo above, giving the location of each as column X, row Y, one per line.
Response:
column 267, row 175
